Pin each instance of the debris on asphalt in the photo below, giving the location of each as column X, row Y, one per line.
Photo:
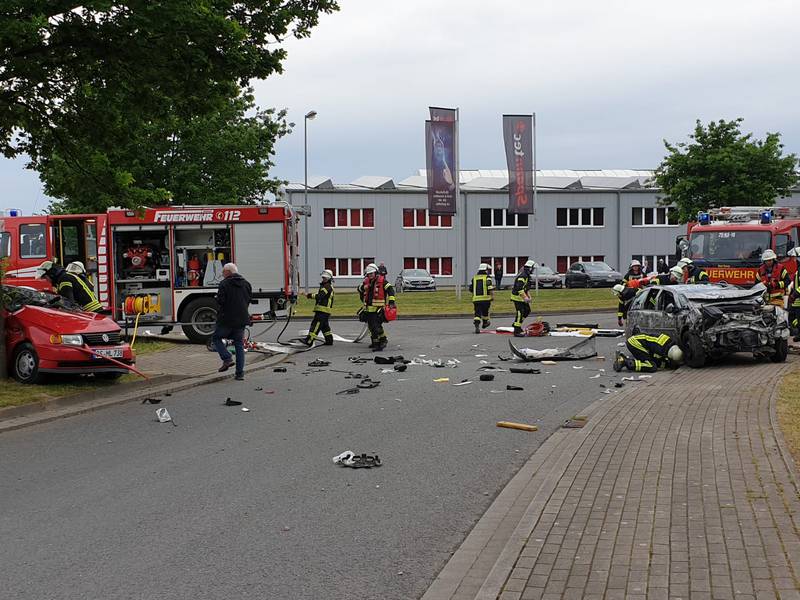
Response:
column 521, row 426
column 151, row 400
column 347, row 454
column 486, row 377
column 279, row 370
column 595, row 376
column 577, row 367
column 481, row 355
column 258, row 389
column 229, row 402
column 357, row 461
column 515, row 388
column 441, row 380
column 493, row 369
column 465, row 382
column 358, row 360
column 400, row 367
column 548, row 362
column 167, row 394
column 524, row 371
column 575, row 422
column 245, row 409
column 385, row 371
column 579, row 325
column 619, row 384
column 354, row 390
column 586, row 348
column 164, row 416
column 318, row 362
column 367, row 384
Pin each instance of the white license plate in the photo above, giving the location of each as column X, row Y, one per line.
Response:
column 109, row 352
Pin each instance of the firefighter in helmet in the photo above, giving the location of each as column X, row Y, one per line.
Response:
column 794, row 295
column 648, row 353
column 774, row 276
column 323, row 307
column 634, row 271
column 79, row 270
column 691, row 272
column 520, row 296
column 482, row 290
column 69, row 286
column 625, row 295
column 376, row 293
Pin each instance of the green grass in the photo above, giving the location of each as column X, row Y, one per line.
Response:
column 444, row 302
column 788, row 410
column 144, row 345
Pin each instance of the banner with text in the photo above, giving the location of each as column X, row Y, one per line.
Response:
column 440, row 163
column 518, row 139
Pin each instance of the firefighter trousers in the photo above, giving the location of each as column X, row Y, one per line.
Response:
column 482, row 312
column 320, row 324
column 523, row 310
column 375, row 325
column 642, row 361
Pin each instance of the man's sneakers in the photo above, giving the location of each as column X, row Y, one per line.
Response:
column 226, row 365
column 620, row 361
column 239, row 377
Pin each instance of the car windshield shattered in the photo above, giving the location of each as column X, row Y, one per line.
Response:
column 15, row 298
column 728, row 245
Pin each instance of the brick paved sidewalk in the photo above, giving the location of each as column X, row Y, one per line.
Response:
column 675, row 489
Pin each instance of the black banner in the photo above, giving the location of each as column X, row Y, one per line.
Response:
column 518, row 139
column 442, row 114
column 440, row 163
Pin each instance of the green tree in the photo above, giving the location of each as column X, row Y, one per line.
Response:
column 222, row 157
column 131, row 69
column 722, row 167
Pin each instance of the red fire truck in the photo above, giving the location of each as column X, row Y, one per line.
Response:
column 728, row 242
column 163, row 265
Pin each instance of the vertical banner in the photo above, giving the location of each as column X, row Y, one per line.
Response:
column 518, row 138
column 441, row 166
column 443, row 114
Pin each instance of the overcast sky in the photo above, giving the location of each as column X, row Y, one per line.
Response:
column 607, row 80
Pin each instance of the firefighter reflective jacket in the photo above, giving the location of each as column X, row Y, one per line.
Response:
column 655, row 346
column 697, row 275
column 776, row 279
column 481, row 287
column 522, row 283
column 625, row 299
column 82, row 293
column 324, row 299
column 631, row 275
column 376, row 293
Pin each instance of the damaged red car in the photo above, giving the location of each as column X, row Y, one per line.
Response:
column 46, row 333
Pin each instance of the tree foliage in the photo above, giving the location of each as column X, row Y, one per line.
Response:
column 79, row 79
column 722, row 167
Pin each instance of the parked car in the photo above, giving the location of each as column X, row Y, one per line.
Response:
column 591, row 274
column 547, row 277
column 415, row 279
column 46, row 333
column 712, row 320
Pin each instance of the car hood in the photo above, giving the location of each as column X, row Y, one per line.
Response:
column 60, row 321
column 604, row 274
column 708, row 292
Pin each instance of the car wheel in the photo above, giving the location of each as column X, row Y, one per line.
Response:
column 201, row 318
column 694, row 355
column 566, row 283
column 25, row 366
column 781, row 351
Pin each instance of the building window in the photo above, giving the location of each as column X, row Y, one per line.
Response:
column 580, row 217
column 510, row 265
column 563, row 262
column 421, row 218
column 500, row 217
column 650, row 261
column 441, row 267
column 649, row 216
column 347, row 267
column 31, row 241
column 348, row 218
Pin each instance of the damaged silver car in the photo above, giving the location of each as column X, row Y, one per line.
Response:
column 711, row 321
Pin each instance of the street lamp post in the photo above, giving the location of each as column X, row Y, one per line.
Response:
column 309, row 115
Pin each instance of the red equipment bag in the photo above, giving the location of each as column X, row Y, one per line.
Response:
column 390, row 313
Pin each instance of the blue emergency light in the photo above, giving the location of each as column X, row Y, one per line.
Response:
column 14, row 212
column 703, row 218
column 766, row 217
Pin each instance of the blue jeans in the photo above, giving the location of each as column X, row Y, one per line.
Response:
column 231, row 333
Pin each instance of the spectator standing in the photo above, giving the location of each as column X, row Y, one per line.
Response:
column 233, row 315
column 498, row 274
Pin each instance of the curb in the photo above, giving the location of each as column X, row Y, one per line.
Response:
column 18, row 417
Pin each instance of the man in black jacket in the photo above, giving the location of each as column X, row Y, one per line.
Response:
column 233, row 315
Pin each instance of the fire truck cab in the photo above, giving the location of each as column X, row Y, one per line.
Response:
column 162, row 266
column 728, row 242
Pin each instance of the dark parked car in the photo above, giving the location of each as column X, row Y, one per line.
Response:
column 712, row 320
column 547, row 277
column 415, row 279
column 591, row 274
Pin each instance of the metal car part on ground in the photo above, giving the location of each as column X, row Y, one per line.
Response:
column 586, row 348
column 711, row 321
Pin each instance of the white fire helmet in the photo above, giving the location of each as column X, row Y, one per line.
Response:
column 618, row 289
column 794, row 252
column 675, row 354
column 76, row 268
column 370, row 269
column 326, row 275
column 677, row 272
column 530, row 264
column 684, row 262
column 769, row 254
column 483, row 267
column 635, row 263
column 43, row 268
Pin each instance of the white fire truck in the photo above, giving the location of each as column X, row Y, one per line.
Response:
column 162, row 265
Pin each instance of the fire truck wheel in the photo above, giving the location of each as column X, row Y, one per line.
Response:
column 26, row 364
column 201, row 317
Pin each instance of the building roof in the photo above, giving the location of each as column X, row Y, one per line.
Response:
column 496, row 180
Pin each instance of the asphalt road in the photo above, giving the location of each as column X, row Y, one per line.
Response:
column 233, row 504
